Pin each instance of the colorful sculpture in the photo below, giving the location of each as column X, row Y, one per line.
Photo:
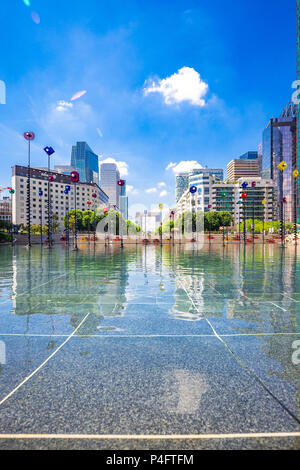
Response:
column 244, row 195
column 282, row 166
column 295, row 173
column 74, row 176
column 253, row 184
column 245, row 185
column 49, row 151
column 121, row 183
column 29, row 135
column 193, row 189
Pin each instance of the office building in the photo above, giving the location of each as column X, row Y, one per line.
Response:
column 226, row 197
column 60, row 201
column 280, row 144
column 203, row 180
column 181, row 185
column 5, row 209
column 248, row 164
column 86, row 162
column 124, row 201
column 109, row 177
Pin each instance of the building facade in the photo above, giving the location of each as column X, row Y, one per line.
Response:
column 86, row 162
column 246, row 165
column 260, row 203
column 5, row 209
column 109, row 177
column 280, row 144
column 181, row 185
column 223, row 196
column 61, row 202
column 203, row 180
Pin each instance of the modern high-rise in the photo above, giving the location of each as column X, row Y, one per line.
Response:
column 181, row 184
column 124, row 202
column 109, row 177
column 280, row 144
column 246, row 165
column 86, row 162
column 203, row 180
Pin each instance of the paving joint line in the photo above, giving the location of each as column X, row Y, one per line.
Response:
column 43, row 363
column 244, row 365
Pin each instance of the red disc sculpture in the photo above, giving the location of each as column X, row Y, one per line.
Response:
column 121, row 183
column 94, row 195
column 244, row 195
column 74, row 176
column 29, row 135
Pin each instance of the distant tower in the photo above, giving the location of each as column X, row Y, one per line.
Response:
column 86, row 162
column 124, row 202
column 109, row 177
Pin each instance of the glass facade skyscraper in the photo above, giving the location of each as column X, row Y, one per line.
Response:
column 279, row 144
column 86, row 162
column 181, row 184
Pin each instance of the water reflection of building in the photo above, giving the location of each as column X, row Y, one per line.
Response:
column 62, row 283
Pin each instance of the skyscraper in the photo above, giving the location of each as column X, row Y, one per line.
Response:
column 181, row 184
column 86, row 162
column 279, row 143
column 246, row 165
column 124, row 202
column 109, row 177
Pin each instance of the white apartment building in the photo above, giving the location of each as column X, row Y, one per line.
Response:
column 260, row 202
column 222, row 196
column 60, row 201
column 109, row 177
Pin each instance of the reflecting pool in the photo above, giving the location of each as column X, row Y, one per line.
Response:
column 150, row 347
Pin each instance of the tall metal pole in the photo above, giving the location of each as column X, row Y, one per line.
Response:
column 295, row 175
column 253, row 226
column 29, row 136
column 28, row 198
column 75, row 231
column 41, row 219
column 67, row 220
column 244, row 211
column 49, row 205
column 281, row 207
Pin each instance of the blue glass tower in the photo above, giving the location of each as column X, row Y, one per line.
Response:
column 85, row 161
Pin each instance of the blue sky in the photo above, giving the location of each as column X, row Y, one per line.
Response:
column 166, row 82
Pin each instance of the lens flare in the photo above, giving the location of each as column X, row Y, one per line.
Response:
column 77, row 95
column 27, row 2
column 35, row 17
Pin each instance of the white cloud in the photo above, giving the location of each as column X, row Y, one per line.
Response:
column 151, row 190
column 122, row 166
column 131, row 190
column 171, row 165
column 184, row 166
column 161, row 184
column 99, row 132
column 185, row 85
column 163, row 193
column 63, row 105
